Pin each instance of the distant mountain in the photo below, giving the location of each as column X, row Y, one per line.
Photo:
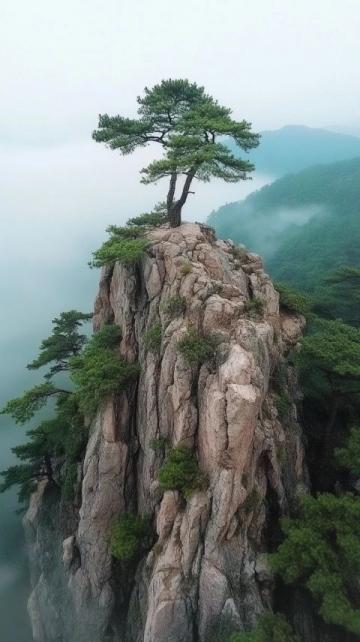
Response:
column 294, row 147
column 350, row 130
column 305, row 225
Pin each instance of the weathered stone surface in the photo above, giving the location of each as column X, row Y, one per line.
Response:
column 207, row 558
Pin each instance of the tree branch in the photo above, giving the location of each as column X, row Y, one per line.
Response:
column 186, row 188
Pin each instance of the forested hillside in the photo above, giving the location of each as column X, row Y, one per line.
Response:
column 305, row 225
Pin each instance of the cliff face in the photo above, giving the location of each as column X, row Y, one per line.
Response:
column 208, row 557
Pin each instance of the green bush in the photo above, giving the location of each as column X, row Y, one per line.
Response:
column 349, row 456
column 216, row 288
column 126, row 251
column 254, row 307
column 152, row 338
column 279, row 377
column 321, row 550
column 271, row 628
column 186, row 268
column 197, row 349
column 100, row 372
column 238, row 253
column 292, row 300
column 181, row 472
column 159, row 444
column 151, row 219
column 252, row 501
column 129, row 536
column 174, row 305
column 283, row 404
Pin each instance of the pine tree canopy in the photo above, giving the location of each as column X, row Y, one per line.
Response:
column 64, row 342
column 330, row 354
column 191, row 127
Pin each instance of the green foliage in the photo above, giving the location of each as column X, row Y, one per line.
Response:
column 153, row 337
column 321, row 550
column 156, row 218
column 99, row 372
column 329, row 359
column 271, row 628
column 186, row 268
column 64, row 342
column 120, row 247
column 174, row 305
column 254, row 307
column 64, row 436
column 292, row 300
column 129, row 536
column 22, row 409
column 181, row 472
column 283, row 404
column 197, row 349
column 159, row 444
column 188, row 124
column 238, row 253
column 252, row 501
column 22, row 475
column 338, row 297
column 279, row 377
column 349, row 456
column 305, row 225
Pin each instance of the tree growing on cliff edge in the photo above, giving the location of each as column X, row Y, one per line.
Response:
column 187, row 123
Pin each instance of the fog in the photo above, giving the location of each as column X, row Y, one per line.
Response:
column 265, row 233
column 56, row 203
column 62, row 64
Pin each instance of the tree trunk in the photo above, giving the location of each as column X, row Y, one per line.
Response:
column 48, row 467
column 175, row 214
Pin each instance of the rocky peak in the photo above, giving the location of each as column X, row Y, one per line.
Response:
column 208, row 556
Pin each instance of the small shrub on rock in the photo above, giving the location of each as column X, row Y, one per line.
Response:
column 271, row 628
column 238, row 252
column 252, row 501
column 159, row 444
column 197, row 349
column 130, row 536
column 186, row 268
column 150, row 219
column 174, row 305
column 283, row 404
column 152, row 338
column 254, row 307
column 126, row 244
column 181, row 472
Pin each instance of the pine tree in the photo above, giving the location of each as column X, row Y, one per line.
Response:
column 191, row 128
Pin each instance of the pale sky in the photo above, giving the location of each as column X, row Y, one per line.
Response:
column 273, row 61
